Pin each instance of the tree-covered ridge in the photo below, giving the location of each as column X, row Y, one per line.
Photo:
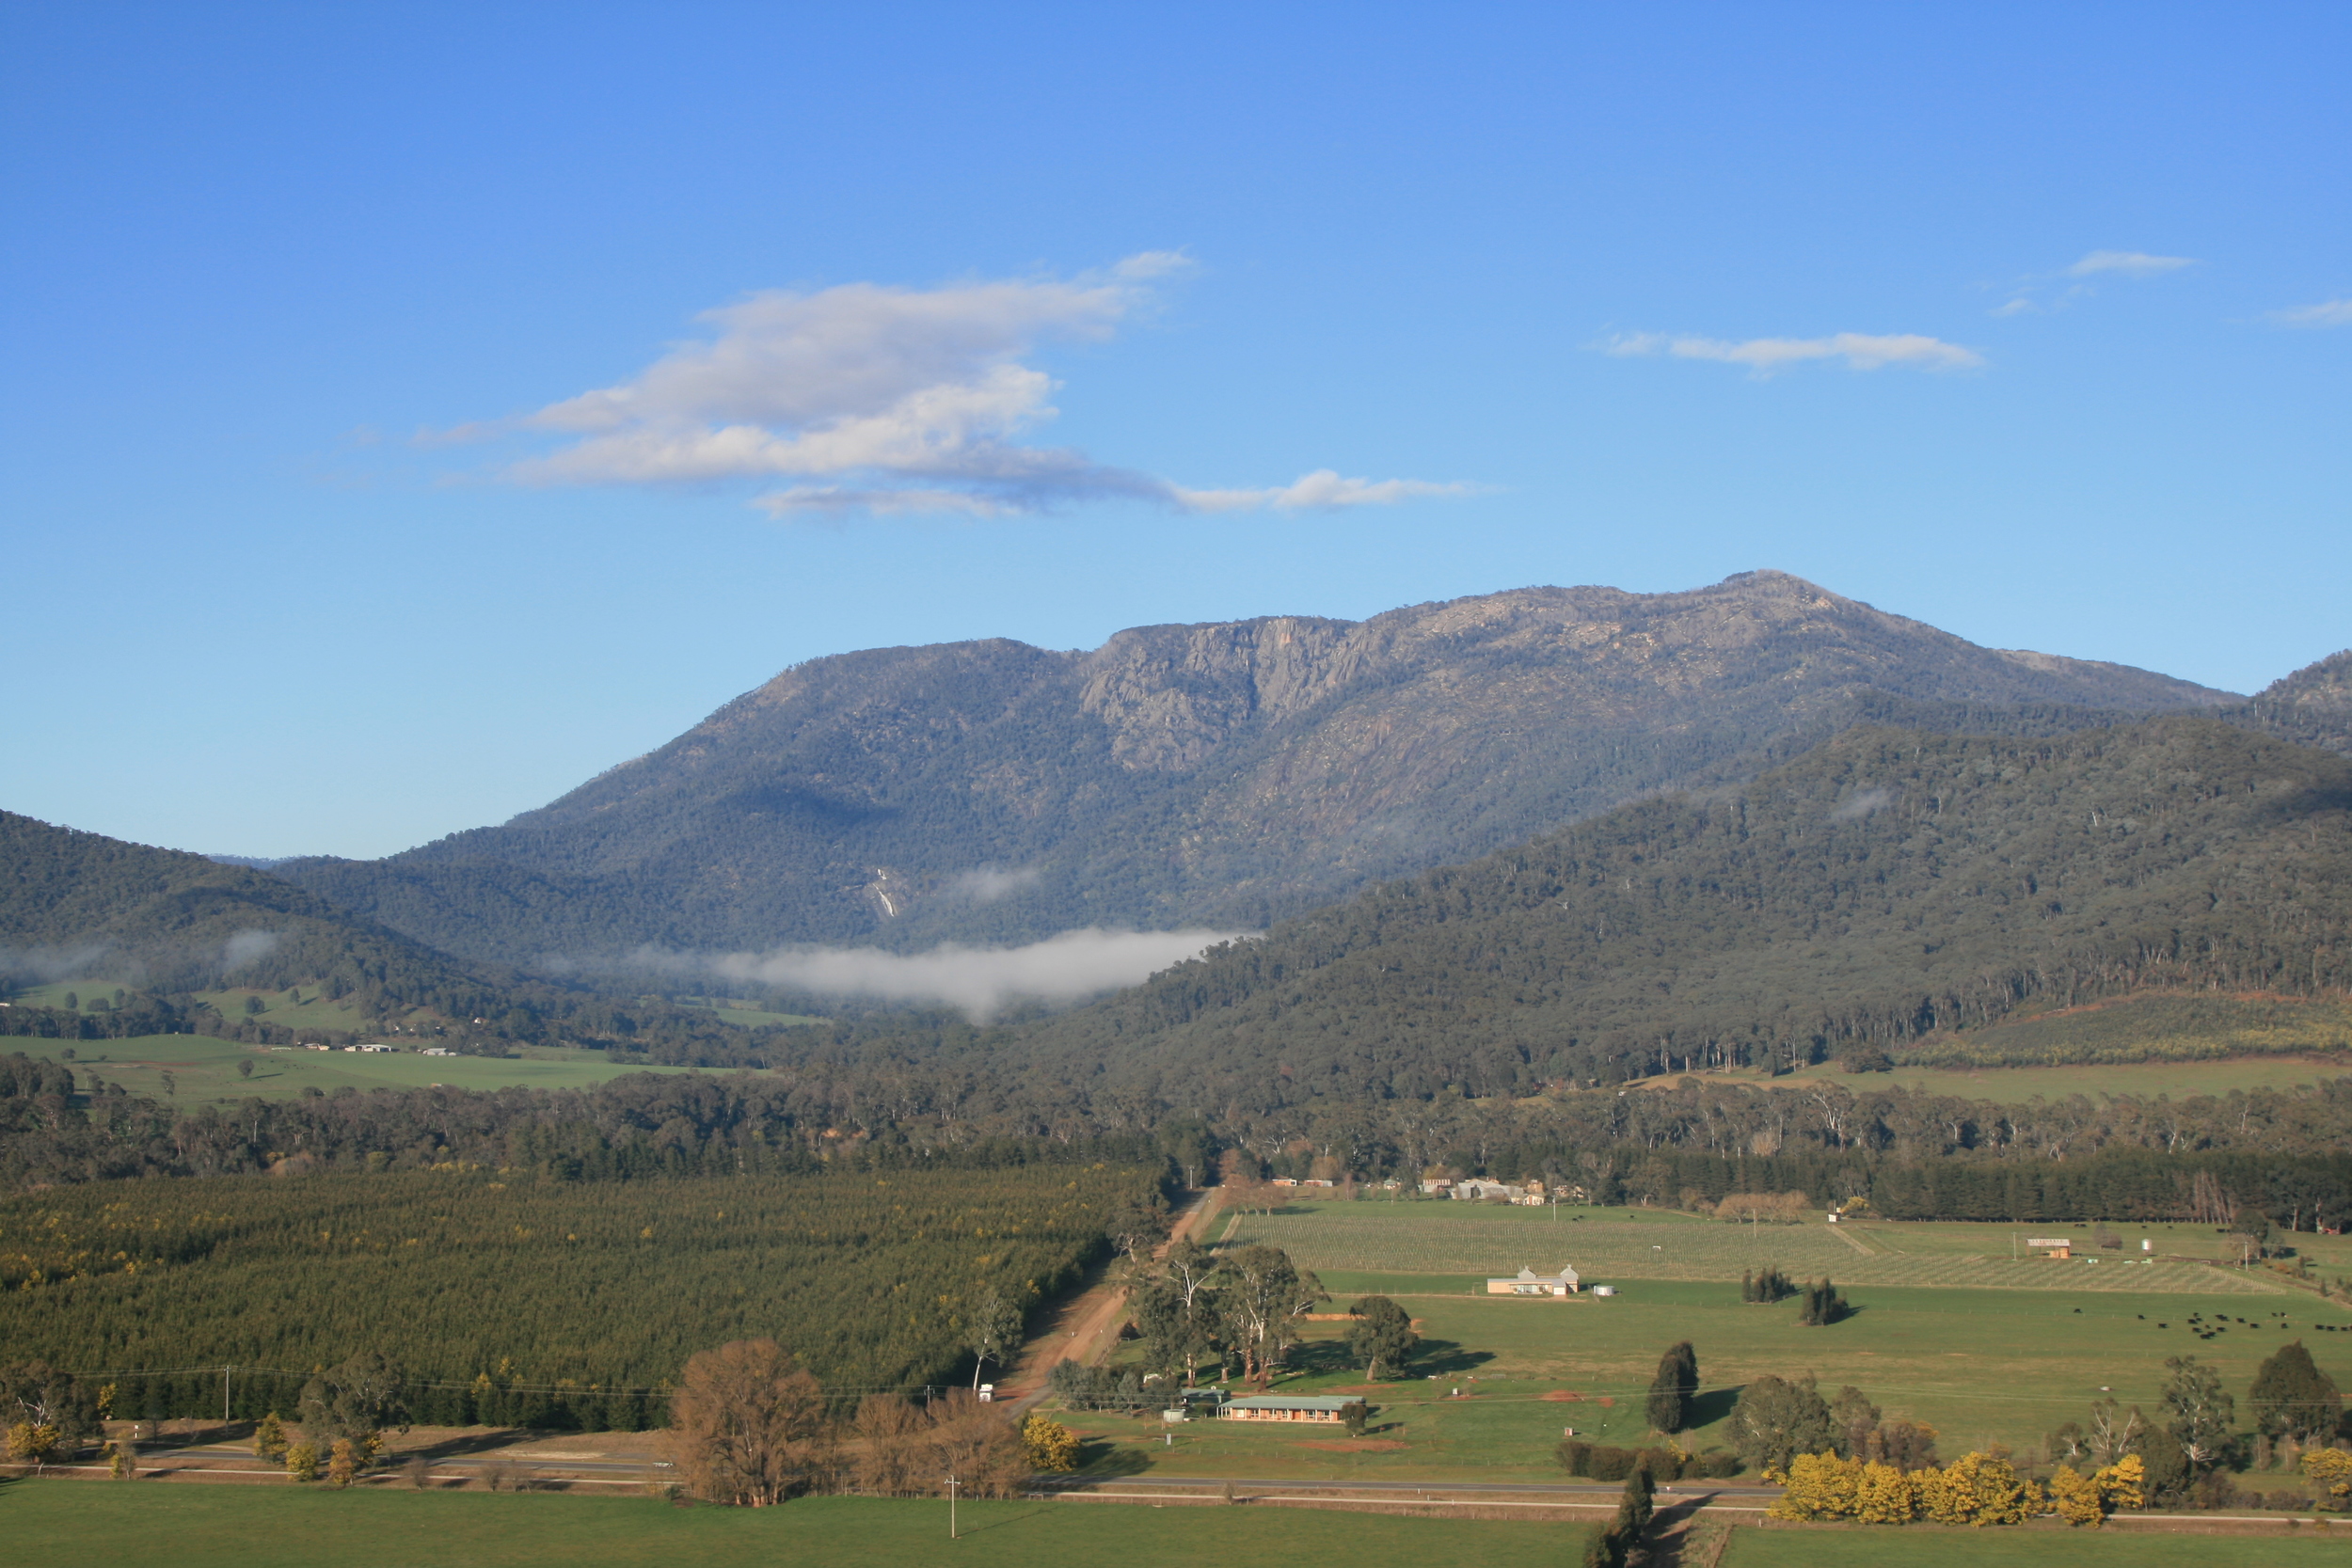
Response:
column 1228, row 773
column 2311, row 708
column 175, row 921
column 79, row 903
column 498, row 1284
column 1885, row 886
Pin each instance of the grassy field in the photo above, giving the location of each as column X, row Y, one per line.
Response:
column 2014, row 1086
column 1475, row 1240
column 204, row 1069
column 1942, row 1333
column 734, row 1010
column 2122, row 1546
column 279, row 1526
column 1981, row 1367
column 2178, row 1026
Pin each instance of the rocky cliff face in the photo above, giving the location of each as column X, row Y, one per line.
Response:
column 1223, row 774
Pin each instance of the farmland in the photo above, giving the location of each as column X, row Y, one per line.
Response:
column 1477, row 1239
column 570, row 1287
column 239, row 1526
column 1984, row 1349
column 1982, row 1366
column 205, row 1069
column 2119, row 1546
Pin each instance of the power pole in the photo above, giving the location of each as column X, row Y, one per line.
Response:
column 951, row 1507
column 224, row 1394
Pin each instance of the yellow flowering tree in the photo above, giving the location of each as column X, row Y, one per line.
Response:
column 1977, row 1489
column 1883, row 1494
column 32, row 1442
column 2122, row 1485
column 2330, row 1473
column 2076, row 1498
column 1819, row 1486
column 1051, row 1445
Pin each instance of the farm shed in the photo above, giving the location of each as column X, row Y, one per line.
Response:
column 1527, row 1282
column 1328, row 1408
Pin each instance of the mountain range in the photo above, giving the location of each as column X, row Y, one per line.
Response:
column 1225, row 775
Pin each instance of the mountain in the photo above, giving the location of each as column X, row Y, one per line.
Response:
column 1888, row 884
column 1224, row 774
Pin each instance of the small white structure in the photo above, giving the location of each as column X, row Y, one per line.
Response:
column 1527, row 1282
column 1604, row 1290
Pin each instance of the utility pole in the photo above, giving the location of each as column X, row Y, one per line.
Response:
column 224, row 1394
column 952, row 1507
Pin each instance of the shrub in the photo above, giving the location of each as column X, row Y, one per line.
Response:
column 1719, row 1464
column 1575, row 1455
column 1609, row 1464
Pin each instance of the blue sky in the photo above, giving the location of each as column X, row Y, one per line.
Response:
column 416, row 409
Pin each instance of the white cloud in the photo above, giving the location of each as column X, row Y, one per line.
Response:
column 2334, row 312
column 1861, row 351
column 987, row 883
column 877, row 400
column 1322, row 490
column 2131, row 263
column 1862, row 804
column 246, row 946
column 981, row 981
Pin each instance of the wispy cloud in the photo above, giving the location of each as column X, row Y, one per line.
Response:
column 982, row 981
column 2130, row 264
column 1322, row 489
column 2027, row 295
column 2334, row 312
column 877, row 400
column 1860, row 351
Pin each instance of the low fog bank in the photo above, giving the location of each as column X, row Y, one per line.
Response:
column 981, row 981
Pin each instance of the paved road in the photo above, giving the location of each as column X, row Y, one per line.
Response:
column 1305, row 1484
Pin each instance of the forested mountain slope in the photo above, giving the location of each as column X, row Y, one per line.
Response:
column 83, row 904
column 1217, row 774
column 2311, row 708
column 1889, row 883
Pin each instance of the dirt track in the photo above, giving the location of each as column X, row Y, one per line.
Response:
column 1083, row 1328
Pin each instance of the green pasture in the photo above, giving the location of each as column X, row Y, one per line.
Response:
column 1920, row 1238
column 83, row 993
column 283, row 1526
column 1477, row 1239
column 297, row 1007
column 1981, row 1366
column 2014, row 1086
column 2121, row 1546
column 204, row 1069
